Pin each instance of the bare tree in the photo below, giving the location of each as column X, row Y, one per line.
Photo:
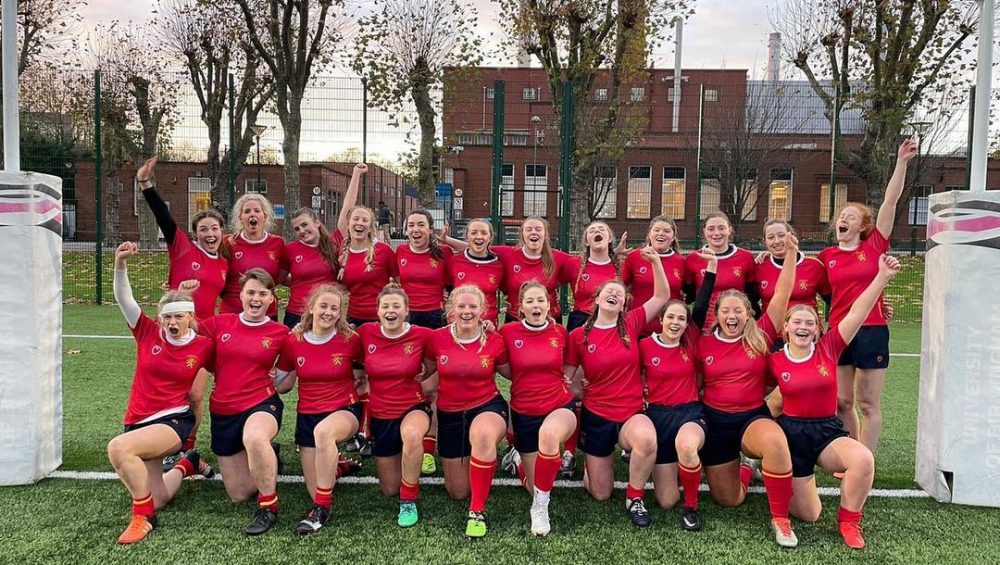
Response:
column 884, row 57
column 46, row 30
column 208, row 37
column 293, row 38
column 402, row 50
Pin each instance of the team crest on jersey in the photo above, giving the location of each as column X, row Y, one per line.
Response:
column 408, row 349
column 592, row 347
column 434, row 264
column 685, row 357
column 860, row 256
column 225, row 337
column 677, row 274
column 554, row 343
column 709, row 360
column 238, row 255
column 517, row 268
column 803, row 285
column 300, row 361
column 403, row 262
column 738, row 272
column 298, row 258
column 191, row 361
column 763, row 284
column 195, row 265
column 157, row 349
column 832, row 264
column 265, row 343
column 786, row 376
column 519, row 343
column 655, row 361
column 585, row 277
column 461, row 276
column 642, row 270
column 484, row 361
column 443, row 359
column 751, row 354
column 371, row 348
column 272, row 256
column 493, row 279
column 823, row 371
column 338, row 360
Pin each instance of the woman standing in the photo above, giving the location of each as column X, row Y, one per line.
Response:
column 423, row 270
column 637, row 275
column 320, row 355
column 479, row 266
column 158, row 419
column 251, row 246
column 850, row 267
column 310, row 261
column 810, row 274
column 596, row 266
column 737, row 269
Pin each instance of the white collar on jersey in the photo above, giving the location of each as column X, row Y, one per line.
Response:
column 182, row 341
column 253, row 324
column 597, row 326
column 540, row 328
column 670, row 251
column 317, row 340
column 729, row 252
column 490, row 257
column 788, row 354
column 661, row 343
column 468, row 340
column 203, row 250
column 527, row 255
column 596, row 262
column 252, row 242
column 799, row 258
column 718, row 336
column 420, row 252
column 406, row 329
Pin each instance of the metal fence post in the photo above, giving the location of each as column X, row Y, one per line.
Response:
column 697, row 188
column 834, row 127
column 364, row 137
column 231, row 175
column 496, row 196
column 98, row 214
column 566, row 161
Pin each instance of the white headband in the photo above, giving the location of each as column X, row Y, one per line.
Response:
column 177, row 307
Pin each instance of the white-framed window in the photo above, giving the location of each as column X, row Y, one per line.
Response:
column 600, row 95
column 489, row 93
column 507, row 190
column 529, row 93
column 711, row 95
column 751, row 195
column 711, row 197
column 673, row 192
column 779, row 200
column 640, row 185
column 252, row 186
column 199, row 196
column 449, row 175
column 638, row 94
column 840, row 197
column 670, row 94
column 606, row 192
column 917, row 213
column 536, row 185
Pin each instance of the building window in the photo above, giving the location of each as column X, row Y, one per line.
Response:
column 750, row 194
column 673, row 192
column 670, row 94
column 519, row 139
column 638, row 94
column 507, row 190
column 472, row 138
column 711, row 193
column 536, row 184
column 780, row 195
column 824, row 200
column 918, row 205
column 600, row 95
column 199, row 196
column 711, row 95
column 529, row 93
column 640, row 184
column 489, row 93
column 255, row 186
column 449, row 175
column 606, row 192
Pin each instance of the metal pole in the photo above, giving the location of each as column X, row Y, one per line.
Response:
column 11, row 126
column 697, row 188
column 676, row 125
column 496, row 194
column 834, row 138
column 984, row 71
column 99, row 197
column 258, row 163
column 968, row 147
column 566, row 162
column 364, row 136
column 231, row 180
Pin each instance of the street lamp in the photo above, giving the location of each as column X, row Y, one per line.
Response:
column 258, row 130
column 535, row 120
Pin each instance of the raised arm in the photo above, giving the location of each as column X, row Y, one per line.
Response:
column 166, row 223
column 783, row 288
column 350, row 199
column 888, row 267
column 661, row 289
column 887, row 211
column 701, row 301
column 123, row 290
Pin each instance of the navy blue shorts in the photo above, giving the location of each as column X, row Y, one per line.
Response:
column 305, row 424
column 432, row 319
column 598, row 436
column 182, row 423
column 807, row 438
column 576, row 319
column 526, row 428
column 724, row 436
column 385, row 433
column 668, row 421
column 868, row 350
column 290, row 320
column 453, row 427
column 227, row 431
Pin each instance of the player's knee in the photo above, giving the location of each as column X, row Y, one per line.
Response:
column 457, row 491
column 809, row 514
column 548, row 437
column 117, row 451
column 730, row 499
column 863, row 464
column 667, row 499
column 870, row 406
column 411, row 436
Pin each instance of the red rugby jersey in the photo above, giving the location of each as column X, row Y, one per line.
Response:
column 519, row 269
column 536, row 367
column 243, row 256
column 164, row 371
column 810, row 280
column 244, row 356
column 188, row 261
column 737, row 270
column 734, row 374
column 670, row 371
column 586, row 284
column 324, row 369
column 637, row 274
column 364, row 281
column 850, row 272
column 308, row 269
column 466, row 372
column 488, row 275
column 423, row 277
column 392, row 366
column 614, row 389
column 808, row 386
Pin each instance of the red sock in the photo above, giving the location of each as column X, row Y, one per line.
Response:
column 144, row 506
column 632, row 492
column 574, row 439
column 546, row 468
column 779, row 492
column 848, row 516
column 430, row 443
column 365, row 416
column 690, row 478
column 408, row 492
column 269, row 501
column 324, row 497
column 746, row 475
column 189, row 443
column 185, row 467
column 480, row 480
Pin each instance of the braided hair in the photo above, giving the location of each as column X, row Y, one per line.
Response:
column 345, row 251
column 474, row 291
column 619, row 323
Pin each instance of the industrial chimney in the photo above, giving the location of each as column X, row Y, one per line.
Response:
column 773, row 57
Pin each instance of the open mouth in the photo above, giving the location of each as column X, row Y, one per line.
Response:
column 611, row 301
column 674, row 328
column 478, row 242
column 842, row 228
column 467, row 317
column 391, row 317
column 254, row 222
column 733, row 326
column 256, row 307
column 534, row 238
column 802, row 333
column 536, row 314
column 174, row 331
column 598, row 238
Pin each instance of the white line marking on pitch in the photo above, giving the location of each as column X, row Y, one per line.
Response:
column 620, row 485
